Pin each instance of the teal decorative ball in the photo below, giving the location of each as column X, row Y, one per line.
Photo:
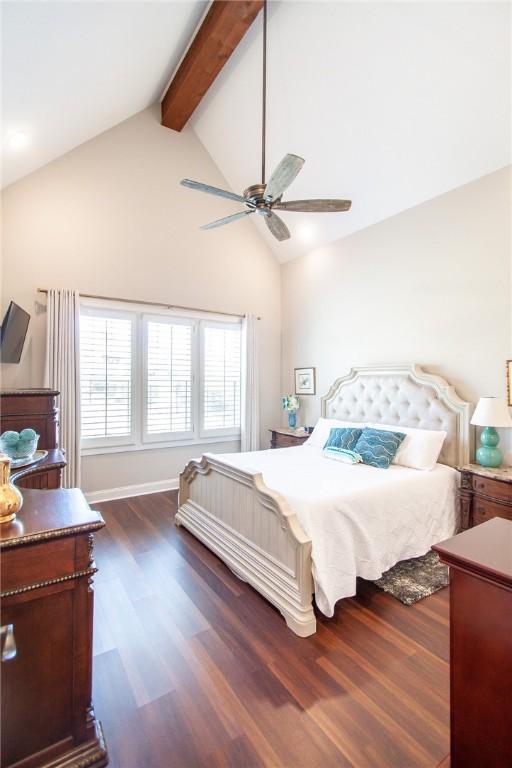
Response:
column 10, row 437
column 18, row 447
column 27, row 434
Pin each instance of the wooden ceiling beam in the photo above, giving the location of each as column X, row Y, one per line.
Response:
column 224, row 26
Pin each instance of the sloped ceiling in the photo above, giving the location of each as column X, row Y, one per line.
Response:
column 391, row 104
column 71, row 70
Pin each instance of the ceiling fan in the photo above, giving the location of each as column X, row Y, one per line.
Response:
column 265, row 198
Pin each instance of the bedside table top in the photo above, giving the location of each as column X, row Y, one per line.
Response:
column 494, row 473
column 292, row 432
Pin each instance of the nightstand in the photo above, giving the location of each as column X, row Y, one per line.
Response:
column 484, row 493
column 284, row 437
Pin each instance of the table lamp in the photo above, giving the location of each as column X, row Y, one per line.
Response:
column 291, row 404
column 490, row 412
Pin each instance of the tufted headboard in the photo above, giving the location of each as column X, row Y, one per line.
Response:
column 403, row 395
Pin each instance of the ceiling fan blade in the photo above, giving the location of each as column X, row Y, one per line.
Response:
column 283, row 176
column 277, row 226
column 314, row 206
column 226, row 220
column 212, row 190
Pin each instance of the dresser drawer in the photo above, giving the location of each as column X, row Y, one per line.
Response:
column 30, row 564
column 484, row 510
column 494, row 488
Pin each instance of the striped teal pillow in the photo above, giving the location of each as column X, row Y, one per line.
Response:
column 343, row 437
column 378, row 447
column 341, row 454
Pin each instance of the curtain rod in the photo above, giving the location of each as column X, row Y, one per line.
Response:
column 153, row 304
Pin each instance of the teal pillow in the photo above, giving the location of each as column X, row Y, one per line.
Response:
column 378, row 447
column 343, row 437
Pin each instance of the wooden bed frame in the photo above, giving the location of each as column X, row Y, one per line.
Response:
column 252, row 528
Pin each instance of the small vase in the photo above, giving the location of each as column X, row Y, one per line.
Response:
column 292, row 419
column 10, row 496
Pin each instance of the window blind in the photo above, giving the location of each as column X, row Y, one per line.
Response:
column 169, row 377
column 221, row 378
column 150, row 379
column 105, row 376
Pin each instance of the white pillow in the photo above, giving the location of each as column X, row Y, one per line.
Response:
column 323, row 428
column 420, row 448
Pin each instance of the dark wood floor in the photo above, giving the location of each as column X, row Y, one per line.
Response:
column 193, row 668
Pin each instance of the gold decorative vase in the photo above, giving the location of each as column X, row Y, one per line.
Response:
column 10, row 496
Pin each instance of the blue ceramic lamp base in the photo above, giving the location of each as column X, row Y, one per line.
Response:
column 489, row 455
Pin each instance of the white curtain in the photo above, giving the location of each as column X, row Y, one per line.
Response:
column 250, row 401
column 63, row 373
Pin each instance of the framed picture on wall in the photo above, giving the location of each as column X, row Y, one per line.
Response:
column 509, row 381
column 305, row 381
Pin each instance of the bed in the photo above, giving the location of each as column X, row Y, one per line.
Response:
column 292, row 523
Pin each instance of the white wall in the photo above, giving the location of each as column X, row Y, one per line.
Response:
column 110, row 218
column 430, row 285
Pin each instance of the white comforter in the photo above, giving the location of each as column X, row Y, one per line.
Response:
column 361, row 520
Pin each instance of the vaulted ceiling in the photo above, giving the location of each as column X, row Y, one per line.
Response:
column 390, row 103
column 71, row 70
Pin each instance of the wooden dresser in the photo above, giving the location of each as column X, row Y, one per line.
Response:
column 284, row 437
column 484, row 493
column 36, row 408
column 46, row 615
column 480, row 561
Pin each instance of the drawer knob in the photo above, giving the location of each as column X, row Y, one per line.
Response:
column 8, row 642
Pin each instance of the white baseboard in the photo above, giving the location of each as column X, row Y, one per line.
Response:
column 126, row 491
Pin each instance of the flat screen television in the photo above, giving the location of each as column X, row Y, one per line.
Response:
column 14, row 330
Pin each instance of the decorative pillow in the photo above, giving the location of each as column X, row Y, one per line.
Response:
column 343, row 437
column 323, row 427
column 343, row 455
column 378, row 447
column 421, row 447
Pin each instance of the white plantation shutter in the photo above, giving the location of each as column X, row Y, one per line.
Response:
column 220, row 379
column 106, row 378
column 148, row 379
column 168, row 378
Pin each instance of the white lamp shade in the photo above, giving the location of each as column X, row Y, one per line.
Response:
column 491, row 412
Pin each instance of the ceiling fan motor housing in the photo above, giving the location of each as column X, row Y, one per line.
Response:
column 254, row 196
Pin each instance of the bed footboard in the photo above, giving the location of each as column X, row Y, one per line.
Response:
column 253, row 530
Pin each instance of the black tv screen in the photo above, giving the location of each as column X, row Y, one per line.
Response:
column 14, row 330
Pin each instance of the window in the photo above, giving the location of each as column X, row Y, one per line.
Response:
column 221, row 379
column 155, row 379
column 168, row 378
column 106, row 365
